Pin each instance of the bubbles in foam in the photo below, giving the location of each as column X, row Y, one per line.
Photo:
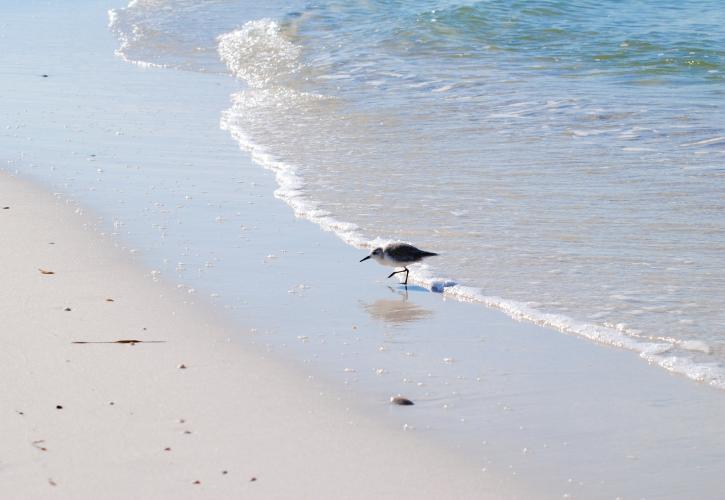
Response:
column 259, row 54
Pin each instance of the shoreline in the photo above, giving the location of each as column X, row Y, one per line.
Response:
column 539, row 410
column 692, row 353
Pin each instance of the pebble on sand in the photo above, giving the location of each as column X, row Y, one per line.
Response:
column 400, row 400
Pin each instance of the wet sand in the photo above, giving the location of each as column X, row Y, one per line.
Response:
column 117, row 388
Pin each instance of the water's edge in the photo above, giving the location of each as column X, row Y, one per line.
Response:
column 257, row 76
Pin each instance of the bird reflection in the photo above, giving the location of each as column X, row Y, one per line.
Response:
column 397, row 311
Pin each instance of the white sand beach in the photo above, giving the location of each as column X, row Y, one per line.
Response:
column 183, row 413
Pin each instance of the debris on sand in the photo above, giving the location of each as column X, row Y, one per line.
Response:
column 124, row 341
column 38, row 444
column 400, row 400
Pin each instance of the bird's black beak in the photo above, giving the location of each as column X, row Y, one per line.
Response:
column 366, row 258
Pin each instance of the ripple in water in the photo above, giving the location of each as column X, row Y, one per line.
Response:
column 565, row 158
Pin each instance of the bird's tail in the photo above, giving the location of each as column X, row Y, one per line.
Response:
column 428, row 254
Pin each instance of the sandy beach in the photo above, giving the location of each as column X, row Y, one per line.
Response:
column 267, row 354
column 183, row 413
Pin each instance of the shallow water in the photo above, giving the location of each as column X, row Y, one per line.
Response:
column 566, row 159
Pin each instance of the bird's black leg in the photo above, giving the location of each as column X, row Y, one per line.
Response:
column 404, row 270
column 396, row 272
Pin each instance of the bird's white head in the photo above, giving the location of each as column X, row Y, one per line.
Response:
column 376, row 254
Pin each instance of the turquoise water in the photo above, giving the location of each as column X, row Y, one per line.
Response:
column 567, row 159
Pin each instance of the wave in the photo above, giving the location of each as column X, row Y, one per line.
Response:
column 167, row 34
column 259, row 54
column 267, row 62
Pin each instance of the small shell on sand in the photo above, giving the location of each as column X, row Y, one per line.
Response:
column 400, row 400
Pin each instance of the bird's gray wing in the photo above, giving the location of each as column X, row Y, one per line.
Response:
column 402, row 252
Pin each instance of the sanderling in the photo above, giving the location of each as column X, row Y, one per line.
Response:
column 398, row 255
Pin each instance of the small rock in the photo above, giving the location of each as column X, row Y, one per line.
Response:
column 44, row 75
column 197, row 482
column 182, row 366
column 67, row 309
column 400, row 400
column 225, row 472
column 58, row 407
column 167, row 449
column 252, row 479
column 6, row 208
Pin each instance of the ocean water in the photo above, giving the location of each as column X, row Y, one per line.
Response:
column 566, row 159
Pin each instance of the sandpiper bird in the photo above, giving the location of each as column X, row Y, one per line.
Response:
column 398, row 255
